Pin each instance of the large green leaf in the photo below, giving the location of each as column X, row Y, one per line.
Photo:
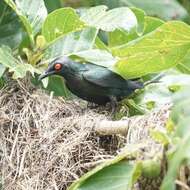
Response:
column 53, row 5
column 32, row 13
column 184, row 65
column 114, row 174
column 10, row 28
column 80, row 44
column 60, row 22
column 151, row 23
column 165, row 9
column 98, row 57
column 19, row 69
column 74, row 42
column 161, row 93
column 100, row 44
column 121, row 37
column 161, row 49
column 140, row 15
column 110, row 20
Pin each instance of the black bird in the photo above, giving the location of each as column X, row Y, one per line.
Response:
column 92, row 82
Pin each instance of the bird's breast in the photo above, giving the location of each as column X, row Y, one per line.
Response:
column 85, row 90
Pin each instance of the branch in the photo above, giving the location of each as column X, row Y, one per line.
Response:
column 155, row 119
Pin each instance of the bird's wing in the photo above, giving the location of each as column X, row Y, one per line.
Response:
column 105, row 78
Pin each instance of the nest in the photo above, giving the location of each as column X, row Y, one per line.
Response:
column 47, row 143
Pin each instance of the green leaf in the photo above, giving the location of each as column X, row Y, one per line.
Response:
column 140, row 15
column 181, row 118
column 10, row 28
column 132, row 107
column 110, row 3
column 120, row 37
column 32, row 13
column 74, row 42
column 99, row 44
column 151, row 24
column 2, row 70
column 60, row 22
column 159, row 94
column 80, row 44
column 98, row 57
column 160, row 137
column 57, row 85
column 153, row 96
column 114, row 174
column 161, row 49
column 146, row 24
column 177, row 160
column 167, row 10
column 6, row 57
column 19, row 69
column 53, row 5
column 121, row 17
column 184, row 65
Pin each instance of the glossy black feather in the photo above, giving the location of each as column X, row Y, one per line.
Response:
column 94, row 83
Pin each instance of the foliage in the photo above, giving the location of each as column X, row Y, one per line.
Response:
column 138, row 57
column 116, row 173
column 10, row 28
column 18, row 68
column 81, row 32
column 128, row 41
column 31, row 14
column 178, row 154
column 166, row 10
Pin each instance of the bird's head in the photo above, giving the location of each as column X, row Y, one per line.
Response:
column 56, row 67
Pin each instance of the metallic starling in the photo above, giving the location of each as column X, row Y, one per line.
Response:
column 92, row 82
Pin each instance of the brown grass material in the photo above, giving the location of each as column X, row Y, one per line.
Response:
column 47, row 143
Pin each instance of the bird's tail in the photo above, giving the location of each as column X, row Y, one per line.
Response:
column 154, row 80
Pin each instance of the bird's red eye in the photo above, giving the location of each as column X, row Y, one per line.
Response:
column 57, row 66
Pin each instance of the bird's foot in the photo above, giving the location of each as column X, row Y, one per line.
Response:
column 114, row 104
column 92, row 105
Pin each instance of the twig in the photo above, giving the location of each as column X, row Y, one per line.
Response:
column 106, row 127
column 182, row 184
column 182, row 177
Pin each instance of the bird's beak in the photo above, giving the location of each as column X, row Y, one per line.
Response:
column 46, row 74
column 43, row 75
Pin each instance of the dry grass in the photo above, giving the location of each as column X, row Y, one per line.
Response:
column 46, row 143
